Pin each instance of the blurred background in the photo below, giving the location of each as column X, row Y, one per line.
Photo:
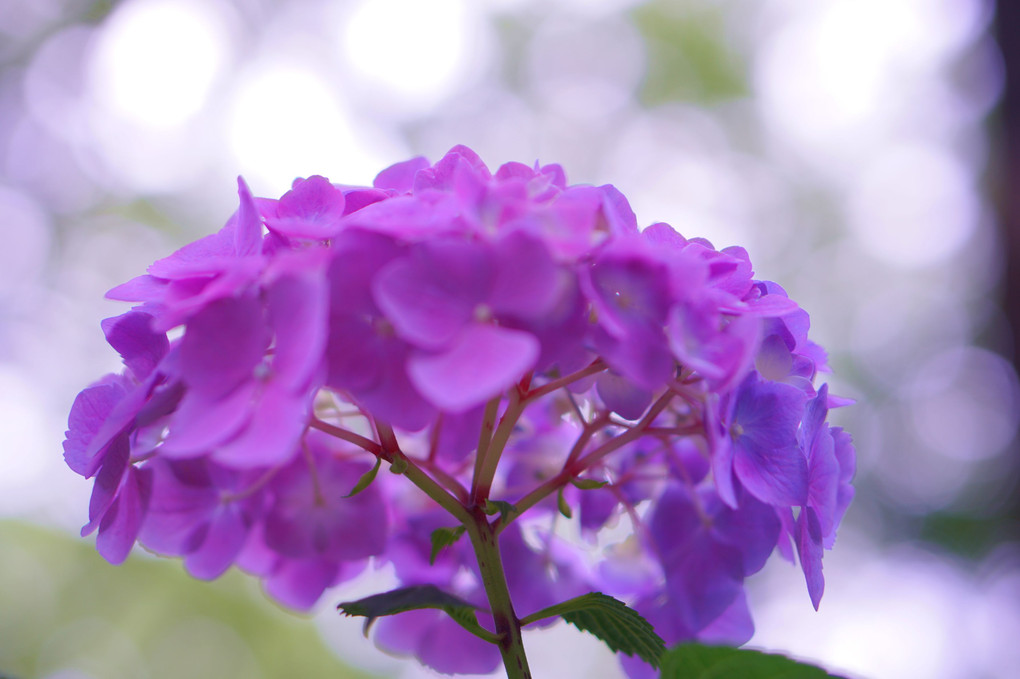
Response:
column 857, row 148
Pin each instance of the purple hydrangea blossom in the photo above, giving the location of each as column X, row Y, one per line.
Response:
column 509, row 336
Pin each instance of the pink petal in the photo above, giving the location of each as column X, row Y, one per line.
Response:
column 312, row 209
column 400, row 177
column 483, row 361
column 248, row 223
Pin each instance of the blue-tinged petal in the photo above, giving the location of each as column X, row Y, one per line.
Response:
column 767, row 458
column 809, row 549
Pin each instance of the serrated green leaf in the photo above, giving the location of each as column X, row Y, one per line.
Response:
column 444, row 537
column 366, row 478
column 695, row 661
column 417, row 598
column 561, row 503
column 501, row 507
column 588, row 484
column 618, row 625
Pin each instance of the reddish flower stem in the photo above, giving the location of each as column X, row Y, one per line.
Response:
column 596, row 366
column 574, row 469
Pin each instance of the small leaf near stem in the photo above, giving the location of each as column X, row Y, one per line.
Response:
column 366, row 479
column 501, row 507
column 563, row 505
column 442, row 538
column 587, row 484
column 417, row 598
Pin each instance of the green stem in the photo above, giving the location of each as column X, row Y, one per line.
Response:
column 485, row 471
column 490, row 564
column 484, row 439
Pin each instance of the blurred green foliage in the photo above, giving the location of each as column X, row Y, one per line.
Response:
column 689, row 55
column 64, row 609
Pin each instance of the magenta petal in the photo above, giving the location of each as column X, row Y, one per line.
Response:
column 617, row 211
column 483, row 361
column 809, row 549
column 297, row 306
column 441, row 176
column 298, row 583
column 772, row 306
column 528, row 282
column 223, row 344
column 121, row 524
column 426, row 307
column 90, row 411
column 203, row 257
column 395, row 400
column 248, row 223
column 272, row 434
column 437, row 641
column 183, row 498
column 417, row 216
column 199, row 424
column 400, row 177
column 224, row 539
column 312, row 209
column 108, row 481
column 132, row 336
column 622, row 397
column 143, row 288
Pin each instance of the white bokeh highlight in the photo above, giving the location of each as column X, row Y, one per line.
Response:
column 156, row 61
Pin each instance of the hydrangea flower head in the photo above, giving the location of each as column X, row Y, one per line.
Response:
column 500, row 339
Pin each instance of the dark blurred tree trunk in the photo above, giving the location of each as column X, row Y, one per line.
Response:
column 1007, row 30
column 1008, row 33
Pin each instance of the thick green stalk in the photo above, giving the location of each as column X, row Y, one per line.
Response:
column 508, row 627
